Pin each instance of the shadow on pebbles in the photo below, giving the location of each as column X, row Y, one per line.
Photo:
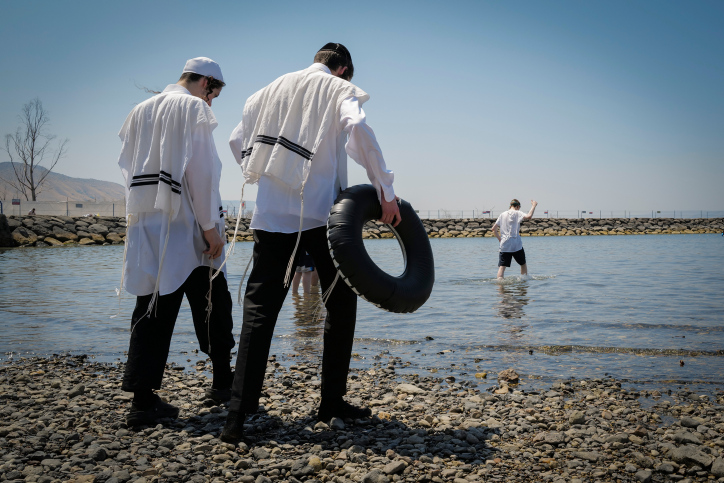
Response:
column 63, row 419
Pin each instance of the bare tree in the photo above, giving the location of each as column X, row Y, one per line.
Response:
column 29, row 147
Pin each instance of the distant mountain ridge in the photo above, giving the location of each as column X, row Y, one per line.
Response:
column 59, row 187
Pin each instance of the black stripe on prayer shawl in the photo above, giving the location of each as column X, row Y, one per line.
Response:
column 146, row 176
column 266, row 139
column 246, row 153
column 170, row 178
column 295, row 147
column 285, row 143
column 144, row 182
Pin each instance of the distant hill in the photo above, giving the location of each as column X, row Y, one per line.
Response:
column 59, row 187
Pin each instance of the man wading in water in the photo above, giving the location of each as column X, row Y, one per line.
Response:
column 507, row 230
column 172, row 177
column 294, row 138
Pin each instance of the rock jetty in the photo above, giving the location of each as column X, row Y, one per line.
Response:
column 65, row 230
column 63, row 420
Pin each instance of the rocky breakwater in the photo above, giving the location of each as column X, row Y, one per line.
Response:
column 63, row 420
column 477, row 227
column 43, row 231
column 40, row 231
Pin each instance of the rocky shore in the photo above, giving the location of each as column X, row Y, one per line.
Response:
column 41, row 230
column 63, row 420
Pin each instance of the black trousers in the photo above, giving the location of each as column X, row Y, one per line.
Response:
column 151, row 337
column 265, row 294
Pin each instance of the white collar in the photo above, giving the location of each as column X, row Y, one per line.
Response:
column 321, row 67
column 176, row 89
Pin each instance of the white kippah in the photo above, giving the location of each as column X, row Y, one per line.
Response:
column 204, row 66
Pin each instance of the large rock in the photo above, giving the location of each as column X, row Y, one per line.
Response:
column 409, row 389
column 6, row 236
column 375, row 476
column 690, row 455
column 114, row 238
column 14, row 223
column 509, row 376
column 685, row 437
column 98, row 228
column 717, row 469
column 42, row 228
column 52, row 242
column 63, row 235
column 689, row 422
column 577, row 417
column 23, row 236
column 394, row 467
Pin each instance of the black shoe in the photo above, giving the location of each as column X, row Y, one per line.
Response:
column 234, row 428
column 157, row 410
column 343, row 410
column 218, row 395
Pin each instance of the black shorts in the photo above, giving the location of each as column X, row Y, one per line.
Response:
column 305, row 263
column 505, row 257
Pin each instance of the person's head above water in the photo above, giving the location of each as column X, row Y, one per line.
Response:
column 202, row 78
column 515, row 204
column 337, row 58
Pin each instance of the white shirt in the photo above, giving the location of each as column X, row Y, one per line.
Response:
column 509, row 224
column 199, row 210
column 278, row 206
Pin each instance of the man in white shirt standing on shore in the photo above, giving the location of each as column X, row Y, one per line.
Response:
column 507, row 230
column 172, row 173
column 293, row 141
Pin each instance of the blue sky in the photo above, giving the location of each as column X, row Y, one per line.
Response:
column 599, row 105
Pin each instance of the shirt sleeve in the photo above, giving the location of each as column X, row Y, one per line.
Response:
column 200, row 179
column 236, row 140
column 363, row 148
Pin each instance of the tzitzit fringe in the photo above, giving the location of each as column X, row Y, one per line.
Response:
column 325, row 297
column 119, row 290
column 230, row 249
column 291, row 265
column 212, row 275
column 241, row 282
column 155, row 295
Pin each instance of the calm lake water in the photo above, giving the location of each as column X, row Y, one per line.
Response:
column 631, row 307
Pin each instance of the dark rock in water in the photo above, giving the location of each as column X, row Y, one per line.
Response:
column 509, row 376
column 6, row 237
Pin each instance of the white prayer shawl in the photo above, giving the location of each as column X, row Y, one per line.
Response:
column 157, row 139
column 285, row 122
column 283, row 125
column 153, row 161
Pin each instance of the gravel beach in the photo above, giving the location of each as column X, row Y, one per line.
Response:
column 63, row 420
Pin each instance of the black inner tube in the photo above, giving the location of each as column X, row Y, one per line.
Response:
column 406, row 293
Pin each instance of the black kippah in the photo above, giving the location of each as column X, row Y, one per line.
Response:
column 338, row 48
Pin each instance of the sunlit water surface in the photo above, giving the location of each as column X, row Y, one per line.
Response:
column 632, row 307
